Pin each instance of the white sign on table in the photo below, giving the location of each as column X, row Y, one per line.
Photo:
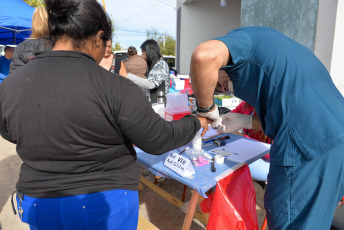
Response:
column 179, row 164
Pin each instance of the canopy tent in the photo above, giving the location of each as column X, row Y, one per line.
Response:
column 15, row 21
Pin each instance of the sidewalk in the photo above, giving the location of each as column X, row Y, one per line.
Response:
column 153, row 207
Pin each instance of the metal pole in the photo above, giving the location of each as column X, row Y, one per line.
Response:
column 104, row 4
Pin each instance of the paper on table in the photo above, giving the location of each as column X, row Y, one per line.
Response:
column 241, row 150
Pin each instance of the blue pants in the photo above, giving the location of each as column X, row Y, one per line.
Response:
column 116, row 209
column 305, row 196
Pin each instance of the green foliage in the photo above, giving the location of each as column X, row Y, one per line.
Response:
column 117, row 46
column 34, row 3
column 166, row 48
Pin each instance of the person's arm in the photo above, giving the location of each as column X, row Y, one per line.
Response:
column 144, row 83
column 123, row 70
column 146, row 129
column 256, row 124
column 206, row 61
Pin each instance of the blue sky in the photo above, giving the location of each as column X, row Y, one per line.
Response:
column 134, row 17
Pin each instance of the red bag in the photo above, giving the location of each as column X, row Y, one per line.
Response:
column 233, row 204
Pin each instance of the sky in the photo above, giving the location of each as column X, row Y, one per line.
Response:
column 134, row 17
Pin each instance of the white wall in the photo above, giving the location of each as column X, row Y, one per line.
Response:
column 337, row 64
column 200, row 21
column 325, row 29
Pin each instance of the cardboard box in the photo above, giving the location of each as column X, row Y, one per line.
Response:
column 226, row 101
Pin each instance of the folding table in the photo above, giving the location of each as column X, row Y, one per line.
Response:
column 202, row 181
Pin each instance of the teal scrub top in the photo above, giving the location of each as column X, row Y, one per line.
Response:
column 296, row 100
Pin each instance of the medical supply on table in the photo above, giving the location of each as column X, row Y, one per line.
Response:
column 183, row 150
column 211, row 159
column 196, row 155
column 213, row 169
column 199, row 161
column 208, row 139
column 219, row 159
column 193, row 153
column 197, row 141
column 207, row 145
column 216, row 142
column 220, row 138
column 219, row 142
column 207, row 155
column 176, row 106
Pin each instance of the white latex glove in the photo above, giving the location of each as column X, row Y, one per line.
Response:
column 232, row 122
column 213, row 115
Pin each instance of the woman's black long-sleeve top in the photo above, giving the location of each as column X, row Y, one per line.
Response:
column 75, row 124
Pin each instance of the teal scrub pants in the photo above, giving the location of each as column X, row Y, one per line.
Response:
column 116, row 209
column 305, row 196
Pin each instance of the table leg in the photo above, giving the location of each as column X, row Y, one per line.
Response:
column 184, row 193
column 191, row 210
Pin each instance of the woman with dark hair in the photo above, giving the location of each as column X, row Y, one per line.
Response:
column 75, row 124
column 158, row 75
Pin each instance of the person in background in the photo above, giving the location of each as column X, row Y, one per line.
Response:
column 39, row 40
column 112, row 62
column 135, row 64
column 284, row 81
column 158, row 75
column 75, row 125
column 5, row 63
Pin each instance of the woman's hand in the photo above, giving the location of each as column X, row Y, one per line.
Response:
column 205, row 122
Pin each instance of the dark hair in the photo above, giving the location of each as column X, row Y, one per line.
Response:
column 132, row 51
column 77, row 19
column 152, row 49
column 8, row 48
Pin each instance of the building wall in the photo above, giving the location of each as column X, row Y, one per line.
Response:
column 199, row 21
column 296, row 19
column 326, row 23
column 317, row 24
column 337, row 61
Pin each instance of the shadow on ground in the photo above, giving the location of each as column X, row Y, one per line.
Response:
column 162, row 213
column 9, row 171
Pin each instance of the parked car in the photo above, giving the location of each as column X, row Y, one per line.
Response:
column 122, row 54
column 171, row 61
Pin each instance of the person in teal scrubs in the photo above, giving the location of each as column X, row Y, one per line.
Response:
column 298, row 107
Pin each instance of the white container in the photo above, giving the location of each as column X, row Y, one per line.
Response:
column 176, row 106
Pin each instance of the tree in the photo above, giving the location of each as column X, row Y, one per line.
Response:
column 34, row 3
column 152, row 34
column 118, row 46
column 166, row 42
